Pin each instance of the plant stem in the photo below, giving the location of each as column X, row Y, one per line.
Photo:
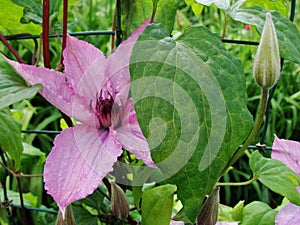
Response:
column 238, row 183
column 16, row 174
column 155, row 3
column 113, row 28
column 22, row 201
column 257, row 124
column 64, row 34
column 225, row 26
column 4, row 164
column 45, row 33
column 118, row 23
column 11, row 49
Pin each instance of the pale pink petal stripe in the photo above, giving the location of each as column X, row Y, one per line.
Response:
column 288, row 152
column 118, row 65
column 99, row 148
column 70, row 173
column 56, row 89
column 85, row 66
column 131, row 137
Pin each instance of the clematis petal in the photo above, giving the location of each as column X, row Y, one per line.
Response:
column 56, row 89
column 289, row 214
column 130, row 135
column 84, row 67
column 77, row 163
column 287, row 152
column 118, row 65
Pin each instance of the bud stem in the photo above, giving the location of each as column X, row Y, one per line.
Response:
column 244, row 183
column 254, row 132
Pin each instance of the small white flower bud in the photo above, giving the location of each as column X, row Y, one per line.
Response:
column 266, row 67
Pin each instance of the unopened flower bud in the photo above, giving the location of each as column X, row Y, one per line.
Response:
column 209, row 211
column 266, row 67
column 66, row 218
column 119, row 202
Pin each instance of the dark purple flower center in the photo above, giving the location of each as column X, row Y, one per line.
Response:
column 104, row 104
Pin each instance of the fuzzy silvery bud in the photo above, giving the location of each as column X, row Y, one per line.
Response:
column 266, row 67
column 119, row 202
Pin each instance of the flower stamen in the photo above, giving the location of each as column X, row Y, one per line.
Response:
column 104, row 103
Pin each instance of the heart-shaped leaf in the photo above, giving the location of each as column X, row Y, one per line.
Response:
column 258, row 213
column 287, row 33
column 190, row 102
column 280, row 6
column 276, row 176
column 157, row 205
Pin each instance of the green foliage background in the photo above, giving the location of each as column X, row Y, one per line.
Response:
column 29, row 150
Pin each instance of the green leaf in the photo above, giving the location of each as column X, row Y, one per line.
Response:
column 276, row 176
column 10, row 22
column 258, row 213
column 10, row 137
column 166, row 13
column 237, row 211
column 137, row 195
column 4, row 216
column 12, row 87
column 230, row 214
column 278, row 5
column 225, row 213
column 33, row 151
column 82, row 216
column 33, row 11
column 15, row 197
column 197, row 8
column 221, row 4
column 135, row 12
column 94, row 200
column 287, row 33
column 157, row 205
column 189, row 95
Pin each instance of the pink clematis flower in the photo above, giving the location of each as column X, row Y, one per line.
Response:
column 289, row 214
column 288, row 152
column 94, row 90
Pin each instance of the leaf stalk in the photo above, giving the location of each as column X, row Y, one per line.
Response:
column 254, row 132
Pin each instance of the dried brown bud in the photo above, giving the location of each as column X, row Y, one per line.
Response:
column 266, row 67
column 119, row 202
column 209, row 211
